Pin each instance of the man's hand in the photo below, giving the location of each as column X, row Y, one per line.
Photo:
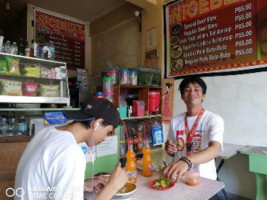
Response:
column 96, row 184
column 175, row 170
column 118, row 177
column 170, row 148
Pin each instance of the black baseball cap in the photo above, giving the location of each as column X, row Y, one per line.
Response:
column 95, row 109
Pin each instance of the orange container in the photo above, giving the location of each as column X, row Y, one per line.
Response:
column 192, row 177
column 131, row 164
column 147, row 161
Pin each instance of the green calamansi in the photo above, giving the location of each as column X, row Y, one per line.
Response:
column 162, row 182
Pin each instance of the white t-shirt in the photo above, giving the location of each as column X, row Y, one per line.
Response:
column 210, row 128
column 51, row 167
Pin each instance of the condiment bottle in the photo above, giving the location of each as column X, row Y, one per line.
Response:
column 131, row 163
column 147, row 160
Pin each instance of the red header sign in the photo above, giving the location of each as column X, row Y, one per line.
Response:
column 68, row 37
column 215, row 35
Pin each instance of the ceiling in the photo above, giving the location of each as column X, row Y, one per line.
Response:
column 85, row 10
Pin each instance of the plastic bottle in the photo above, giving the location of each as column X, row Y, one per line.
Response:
column 3, row 127
column 147, row 160
column 22, row 126
column 21, row 48
column 27, row 49
column 11, row 127
column 52, row 49
column 131, row 164
column 7, row 47
column 14, row 48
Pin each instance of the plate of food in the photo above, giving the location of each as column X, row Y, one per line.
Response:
column 176, row 28
column 176, row 51
column 126, row 192
column 174, row 40
column 161, row 184
column 177, row 64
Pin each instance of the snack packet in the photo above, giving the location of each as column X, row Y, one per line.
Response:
column 11, row 87
column 3, row 67
column 49, row 90
column 30, row 88
column 13, row 66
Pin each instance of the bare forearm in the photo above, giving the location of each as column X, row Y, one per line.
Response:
column 107, row 193
column 207, row 154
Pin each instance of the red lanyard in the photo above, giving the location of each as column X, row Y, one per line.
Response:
column 190, row 135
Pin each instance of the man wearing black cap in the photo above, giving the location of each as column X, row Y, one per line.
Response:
column 196, row 136
column 53, row 165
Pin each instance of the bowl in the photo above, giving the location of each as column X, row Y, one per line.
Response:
column 176, row 28
column 177, row 64
column 176, row 51
column 126, row 192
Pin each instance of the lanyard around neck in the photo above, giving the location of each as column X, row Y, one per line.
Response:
column 190, row 135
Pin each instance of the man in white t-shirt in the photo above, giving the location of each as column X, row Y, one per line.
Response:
column 53, row 164
column 195, row 137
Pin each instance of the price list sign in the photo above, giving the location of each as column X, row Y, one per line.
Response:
column 206, row 36
column 68, row 37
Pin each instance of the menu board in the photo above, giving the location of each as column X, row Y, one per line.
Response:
column 68, row 37
column 207, row 36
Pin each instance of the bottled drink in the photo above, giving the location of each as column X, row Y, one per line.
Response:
column 22, row 126
column 52, row 49
column 11, row 127
column 131, row 164
column 14, row 48
column 147, row 160
column 7, row 47
column 21, row 48
column 27, row 49
column 3, row 127
column 34, row 50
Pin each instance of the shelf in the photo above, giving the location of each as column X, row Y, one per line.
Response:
column 6, row 76
column 29, row 99
column 142, row 117
column 63, row 91
column 35, row 109
column 135, row 86
column 10, row 139
column 32, row 58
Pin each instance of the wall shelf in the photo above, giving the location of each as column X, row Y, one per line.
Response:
column 11, row 139
column 35, row 109
column 142, row 117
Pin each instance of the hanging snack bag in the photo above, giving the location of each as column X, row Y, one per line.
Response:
column 11, row 87
column 49, row 90
column 30, row 88
column 13, row 66
column 157, row 134
column 3, row 67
